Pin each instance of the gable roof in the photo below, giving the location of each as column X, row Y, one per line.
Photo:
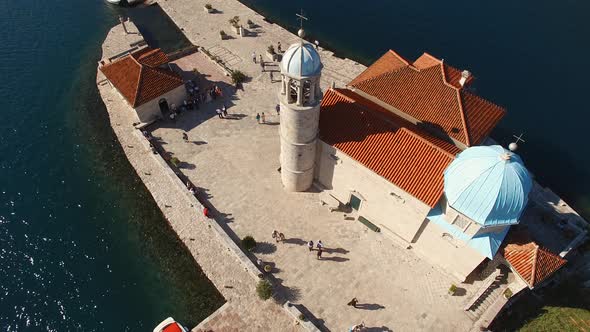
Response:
column 390, row 146
column 531, row 261
column 138, row 77
column 429, row 91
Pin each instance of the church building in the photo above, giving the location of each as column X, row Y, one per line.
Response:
column 403, row 145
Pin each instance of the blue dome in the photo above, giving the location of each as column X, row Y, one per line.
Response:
column 488, row 184
column 300, row 60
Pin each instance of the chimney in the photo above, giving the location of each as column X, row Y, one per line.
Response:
column 464, row 77
column 122, row 20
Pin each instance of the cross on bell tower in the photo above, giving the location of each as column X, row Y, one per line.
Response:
column 301, row 18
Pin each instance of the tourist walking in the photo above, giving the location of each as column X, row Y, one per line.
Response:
column 310, row 245
column 279, row 47
column 258, row 118
column 353, row 302
column 185, row 137
column 224, row 111
column 219, row 114
column 319, row 253
column 261, row 63
column 263, row 118
column 272, row 79
column 317, row 45
column 254, row 57
column 320, row 245
column 278, row 109
column 275, row 235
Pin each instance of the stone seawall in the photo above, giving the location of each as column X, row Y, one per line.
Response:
column 230, row 270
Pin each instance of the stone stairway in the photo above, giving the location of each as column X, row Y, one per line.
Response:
column 487, row 295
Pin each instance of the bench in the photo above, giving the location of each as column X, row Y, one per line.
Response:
column 369, row 224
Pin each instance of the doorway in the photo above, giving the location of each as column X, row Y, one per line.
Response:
column 163, row 103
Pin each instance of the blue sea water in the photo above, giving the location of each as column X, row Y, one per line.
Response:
column 83, row 246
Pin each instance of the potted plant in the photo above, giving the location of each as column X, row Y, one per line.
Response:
column 270, row 53
column 267, row 268
column 208, row 8
column 264, row 289
column 223, row 35
column 250, row 24
column 301, row 317
column 235, row 23
column 452, row 289
column 508, row 293
column 175, row 161
column 248, row 242
column 237, row 77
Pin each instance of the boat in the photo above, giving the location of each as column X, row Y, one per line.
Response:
column 114, row 2
column 170, row 325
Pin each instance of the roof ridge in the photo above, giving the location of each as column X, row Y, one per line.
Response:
column 399, row 57
column 459, row 102
column 427, row 142
column 165, row 72
column 337, row 91
column 534, row 265
column 139, row 78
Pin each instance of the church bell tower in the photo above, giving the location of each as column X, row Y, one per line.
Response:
column 299, row 100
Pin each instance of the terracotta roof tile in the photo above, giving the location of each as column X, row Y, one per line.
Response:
column 151, row 58
column 388, row 62
column 429, row 91
column 138, row 82
column 388, row 145
column 531, row 261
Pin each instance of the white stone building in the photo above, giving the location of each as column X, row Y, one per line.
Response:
column 399, row 147
column 145, row 81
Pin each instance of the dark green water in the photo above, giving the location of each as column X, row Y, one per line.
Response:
column 526, row 55
column 83, row 245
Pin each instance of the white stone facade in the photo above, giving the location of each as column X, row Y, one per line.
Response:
column 150, row 111
column 397, row 213
column 382, row 203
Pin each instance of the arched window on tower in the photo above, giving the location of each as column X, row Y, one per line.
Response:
column 292, row 97
column 306, row 92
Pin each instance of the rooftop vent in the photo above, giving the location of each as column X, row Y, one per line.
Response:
column 464, row 77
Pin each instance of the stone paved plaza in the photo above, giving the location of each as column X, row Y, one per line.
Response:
column 234, row 163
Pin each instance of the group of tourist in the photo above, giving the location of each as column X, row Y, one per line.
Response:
column 196, row 97
column 279, row 237
column 319, row 246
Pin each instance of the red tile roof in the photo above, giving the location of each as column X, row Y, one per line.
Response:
column 388, row 145
column 531, row 261
column 138, row 78
column 151, row 57
column 429, row 91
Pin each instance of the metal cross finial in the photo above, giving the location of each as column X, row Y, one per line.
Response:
column 300, row 17
column 519, row 138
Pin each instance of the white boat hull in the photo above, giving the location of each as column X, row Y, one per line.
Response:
column 114, row 2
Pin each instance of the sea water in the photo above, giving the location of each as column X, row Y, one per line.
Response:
column 83, row 246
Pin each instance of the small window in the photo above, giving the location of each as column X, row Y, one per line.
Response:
column 461, row 222
column 355, row 202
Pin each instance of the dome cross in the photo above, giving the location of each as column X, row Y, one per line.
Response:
column 301, row 18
